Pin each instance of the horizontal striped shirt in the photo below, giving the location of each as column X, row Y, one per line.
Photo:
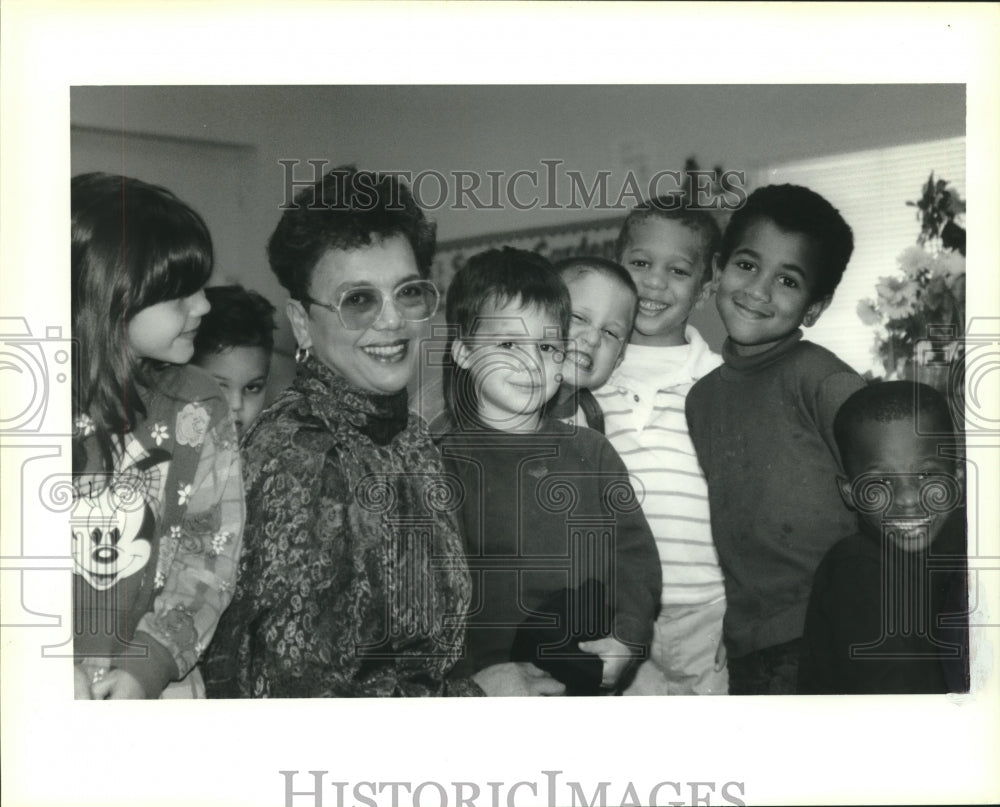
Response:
column 643, row 405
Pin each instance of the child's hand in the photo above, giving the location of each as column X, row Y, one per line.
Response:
column 720, row 656
column 116, row 685
column 614, row 654
column 81, row 683
column 517, row 679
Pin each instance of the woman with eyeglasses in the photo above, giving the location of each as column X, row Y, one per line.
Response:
column 353, row 580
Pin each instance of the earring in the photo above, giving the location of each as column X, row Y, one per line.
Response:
column 301, row 354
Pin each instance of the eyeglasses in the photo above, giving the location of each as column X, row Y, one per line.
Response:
column 360, row 306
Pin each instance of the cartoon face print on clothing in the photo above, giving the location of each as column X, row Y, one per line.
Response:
column 109, row 542
column 112, row 524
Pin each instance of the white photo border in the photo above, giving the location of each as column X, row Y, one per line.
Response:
column 794, row 750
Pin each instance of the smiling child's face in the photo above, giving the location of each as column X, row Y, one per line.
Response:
column 515, row 359
column 599, row 327
column 765, row 288
column 891, row 459
column 666, row 259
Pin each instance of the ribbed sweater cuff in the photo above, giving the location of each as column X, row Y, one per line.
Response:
column 153, row 672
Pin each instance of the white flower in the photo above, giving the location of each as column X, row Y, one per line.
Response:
column 219, row 541
column 951, row 266
column 183, row 494
column 897, row 297
column 913, row 260
column 159, row 433
column 160, row 580
column 175, row 533
column 868, row 313
column 84, row 425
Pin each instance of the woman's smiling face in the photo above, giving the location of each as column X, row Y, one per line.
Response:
column 381, row 358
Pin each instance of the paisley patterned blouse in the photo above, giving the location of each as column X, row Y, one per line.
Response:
column 353, row 580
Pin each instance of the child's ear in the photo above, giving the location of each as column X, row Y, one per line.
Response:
column 707, row 284
column 844, row 486
column 460, row 353
column 814, row 310
column 707, row 288
column 716, row 270
column 299, row 320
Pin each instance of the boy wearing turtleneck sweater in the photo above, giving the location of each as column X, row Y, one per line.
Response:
column 667, row 251
column 762, row 424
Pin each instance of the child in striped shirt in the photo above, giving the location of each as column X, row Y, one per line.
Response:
column 668, row 251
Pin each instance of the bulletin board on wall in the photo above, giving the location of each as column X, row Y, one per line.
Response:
column 592, row 237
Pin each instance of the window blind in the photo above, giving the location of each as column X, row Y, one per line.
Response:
column 870, row 189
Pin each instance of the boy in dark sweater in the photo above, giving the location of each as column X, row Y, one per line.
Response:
column 762, row 426
column 564, row 569
column 888, row 611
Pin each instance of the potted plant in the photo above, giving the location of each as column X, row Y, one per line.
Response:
column 919, row 311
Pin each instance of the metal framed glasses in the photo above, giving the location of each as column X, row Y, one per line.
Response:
column 359, row 306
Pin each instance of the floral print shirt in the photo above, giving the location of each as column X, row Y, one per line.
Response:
column 156, row 541
column 353, row 580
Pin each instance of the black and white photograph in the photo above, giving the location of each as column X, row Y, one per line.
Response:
column 461, row 365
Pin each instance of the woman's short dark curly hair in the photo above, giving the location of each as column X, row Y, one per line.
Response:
column 346, row 209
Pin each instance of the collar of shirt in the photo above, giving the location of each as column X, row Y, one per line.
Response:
column 651, row 369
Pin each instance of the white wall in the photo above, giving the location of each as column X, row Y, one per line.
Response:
column 212, row 175
column 507, row 128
